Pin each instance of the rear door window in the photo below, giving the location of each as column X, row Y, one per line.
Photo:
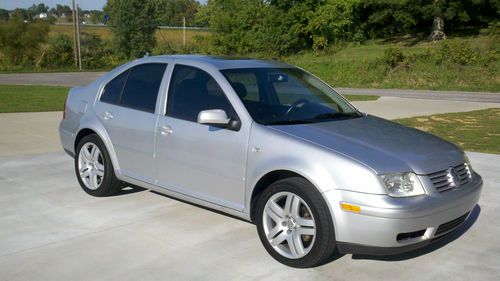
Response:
column 136, row 88
column 142, row 86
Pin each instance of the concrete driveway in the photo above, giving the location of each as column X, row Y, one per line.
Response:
column 394, row 107
column 51, row 230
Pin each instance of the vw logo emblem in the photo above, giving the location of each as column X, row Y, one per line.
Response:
column 453, row 177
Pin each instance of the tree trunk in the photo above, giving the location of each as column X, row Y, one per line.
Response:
column 437, row 29
column 438, row 24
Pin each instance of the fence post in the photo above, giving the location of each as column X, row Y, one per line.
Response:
column 184, row 32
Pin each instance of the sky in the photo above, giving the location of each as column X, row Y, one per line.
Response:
column 84, row 4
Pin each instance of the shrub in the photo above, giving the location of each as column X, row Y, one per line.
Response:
column 20, row 42
column 463, row 54
column 96, row 53
column 59, row 52
column 319, row 43
column 458, row 53
column 494, row 27
column 392, row 57
column 163, row 49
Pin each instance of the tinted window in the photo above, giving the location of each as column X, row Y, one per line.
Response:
column 245, row 85
column 113, row 89
column 142, row 86
column 193, row 90
column 283, row 96
column 296, row 87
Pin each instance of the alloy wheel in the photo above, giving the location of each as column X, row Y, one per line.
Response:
column 91, row 165
column 289, row 225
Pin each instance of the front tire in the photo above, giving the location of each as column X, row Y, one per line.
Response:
column 294, row 223
column 94, row 169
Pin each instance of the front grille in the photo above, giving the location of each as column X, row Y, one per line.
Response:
column 449, row 226
column 450, row 178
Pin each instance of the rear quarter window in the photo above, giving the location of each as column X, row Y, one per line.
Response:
column 112, row 91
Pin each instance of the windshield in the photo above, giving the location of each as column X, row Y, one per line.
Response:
column 280, row 96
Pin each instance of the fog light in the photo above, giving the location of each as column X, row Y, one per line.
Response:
column 350, row 208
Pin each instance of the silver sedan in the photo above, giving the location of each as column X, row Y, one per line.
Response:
column 272, row 144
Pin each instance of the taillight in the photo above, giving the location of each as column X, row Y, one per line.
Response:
column 64, row 111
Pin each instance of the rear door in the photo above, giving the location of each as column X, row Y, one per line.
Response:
column 127, row 109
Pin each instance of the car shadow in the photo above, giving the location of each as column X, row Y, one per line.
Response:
column 129, row 189
column 441, row 242
column 201, row 207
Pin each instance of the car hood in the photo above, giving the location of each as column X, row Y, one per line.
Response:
column 384, row 146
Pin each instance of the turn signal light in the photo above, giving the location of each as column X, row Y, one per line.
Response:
column 350, row 208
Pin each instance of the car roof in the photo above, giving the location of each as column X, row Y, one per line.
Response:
column 228, row 62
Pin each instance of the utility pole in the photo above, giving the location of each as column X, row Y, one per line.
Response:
column 78, row 37
column 184, row 31
column 75, row 51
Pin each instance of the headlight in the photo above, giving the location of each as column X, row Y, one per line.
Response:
column 467, row 161
column 402, row 185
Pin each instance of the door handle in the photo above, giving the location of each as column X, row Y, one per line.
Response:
column 107, row 115
column 165, row 130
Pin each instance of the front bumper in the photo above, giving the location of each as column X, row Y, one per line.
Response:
column 387, row 225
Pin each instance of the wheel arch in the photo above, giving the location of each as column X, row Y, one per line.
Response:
column 81, row 134
column 101, row 133
column 265, row 181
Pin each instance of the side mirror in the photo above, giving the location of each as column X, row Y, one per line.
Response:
column 218, row 118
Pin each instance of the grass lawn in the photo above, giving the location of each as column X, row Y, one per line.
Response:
column 473, row 131
column 172, row 37
column 17, row 98
column 27, row 98
column 358, row 66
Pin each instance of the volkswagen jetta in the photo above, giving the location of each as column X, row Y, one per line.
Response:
column 272, row 144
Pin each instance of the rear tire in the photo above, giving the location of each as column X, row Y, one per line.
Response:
column 292, row 212
column 94, row 169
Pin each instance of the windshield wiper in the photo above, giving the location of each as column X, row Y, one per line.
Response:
column 290, row 122
column 316, row 118
column 335, row 115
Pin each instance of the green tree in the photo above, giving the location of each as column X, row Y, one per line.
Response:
column 20, row 41
column 4, row 15
column 202, row 16
column 278, row 26
column 63, row 10
column 175, row 10
column 286, row 26
column 332, row 21
column 96, row 16
column 20, row 14
column 133, row 23
column 238, row 30
column 380, row 18
column 59, row 52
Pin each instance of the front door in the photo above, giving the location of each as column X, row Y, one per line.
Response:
column 202, row 161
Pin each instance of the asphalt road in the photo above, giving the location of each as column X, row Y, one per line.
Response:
column 71, row 79
column 51, row 230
